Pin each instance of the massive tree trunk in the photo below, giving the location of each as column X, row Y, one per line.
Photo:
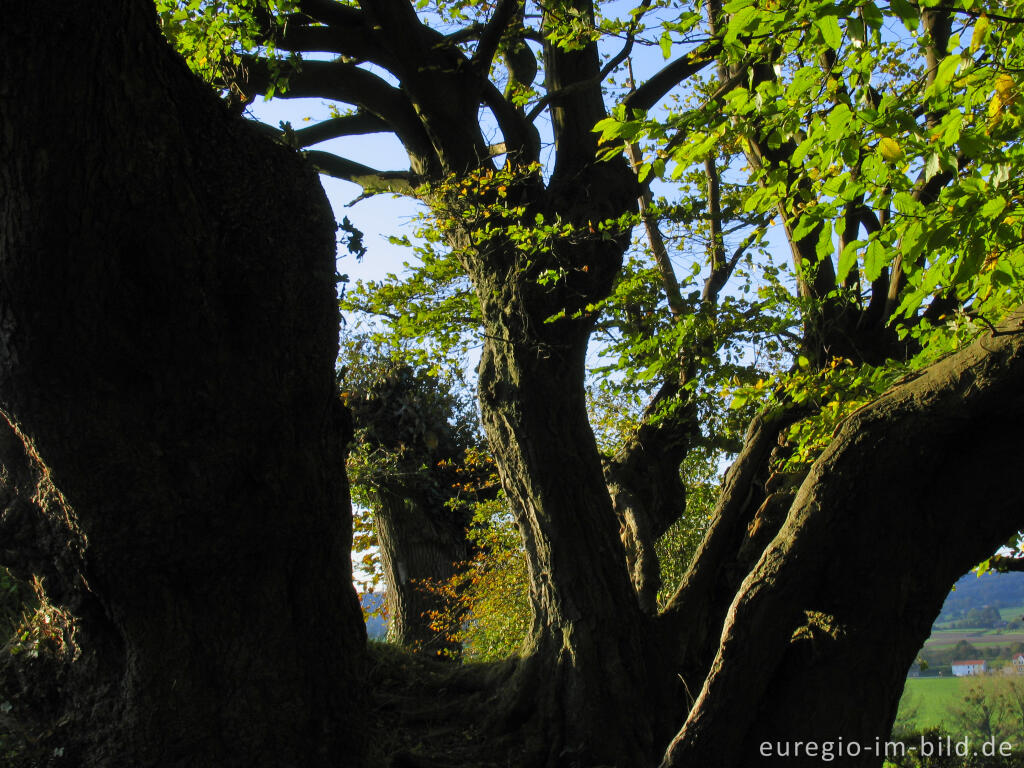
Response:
column 583, row 681
column 173, row 442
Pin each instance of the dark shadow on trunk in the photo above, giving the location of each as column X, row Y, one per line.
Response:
column 173, row 441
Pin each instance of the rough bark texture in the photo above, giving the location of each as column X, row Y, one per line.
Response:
column 647, row 490
column 173, row 442
column 910, row 494
column 410, row 470
column 419, row 543
column 586, row 653
column 692, row 621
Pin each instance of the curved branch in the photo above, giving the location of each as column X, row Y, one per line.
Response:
column 372, row 181
column 490, row 38
column 652, row 91
column 521, row 136
column 354, row 42
column 345, row 82
column 358, row 124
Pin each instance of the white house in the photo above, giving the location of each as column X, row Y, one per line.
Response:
column 969, row 667
column 1018, row 663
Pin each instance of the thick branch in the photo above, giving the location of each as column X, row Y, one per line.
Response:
column 697, row 607
column 657, row 86
column 854, row 531
column 334, row 13
column 490, row 38
column 521, row 137
column 718, row 263
column 347, row 125
column 371, row 180
column 572, row 80
column 353, row 42
column 341, row 81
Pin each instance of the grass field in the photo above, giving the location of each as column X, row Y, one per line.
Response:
column 976, row 637
column 927, row 701
column 932, row 697
column 1011, row 614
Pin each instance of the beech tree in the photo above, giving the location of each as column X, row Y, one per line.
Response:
column 408, row 468
column 173, row 463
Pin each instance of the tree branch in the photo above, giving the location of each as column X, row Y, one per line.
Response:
column 354, row 43
column 652, row 91
column 490, row 38
column 521, row 136
column 669, row 281
column 345, row 82
column 371, row 180
column 358, row 124
column 798, row 601
column 718, row 263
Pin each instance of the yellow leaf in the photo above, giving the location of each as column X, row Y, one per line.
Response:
column 980, row 30
column 890, row 150
column 1004, row 87
column 995, row 112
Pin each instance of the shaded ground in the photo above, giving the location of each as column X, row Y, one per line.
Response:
column 433, row 714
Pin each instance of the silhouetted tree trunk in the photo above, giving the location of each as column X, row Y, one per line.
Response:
column 422, row 545
column 173, row 442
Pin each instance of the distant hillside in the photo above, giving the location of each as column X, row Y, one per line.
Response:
column 376, row 626
column 999, row 590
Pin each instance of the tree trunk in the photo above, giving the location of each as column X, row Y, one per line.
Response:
column 583, row 682
column 421, row 549
column 167, row 345
column 586, row 654
column 912, row 492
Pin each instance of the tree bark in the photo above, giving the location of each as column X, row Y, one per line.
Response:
column 578, row 684
column 422, row 546
column 822, row 631
column 173, row 441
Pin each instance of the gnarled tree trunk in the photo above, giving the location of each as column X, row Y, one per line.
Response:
column 173, row 442
column 910, row 494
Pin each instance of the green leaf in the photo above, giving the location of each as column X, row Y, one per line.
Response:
column 980, row 32
column 947, row 71
column 805, row 224
column 875, row 258
column 993, row 207
column 825, row 247
column 906, row 204
column 890, row 149
column 912, row 239
column 666, row 44
column 847, row 260
column 744, row 21
column 830, row 31
column 907, row 12
column 737, row 5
